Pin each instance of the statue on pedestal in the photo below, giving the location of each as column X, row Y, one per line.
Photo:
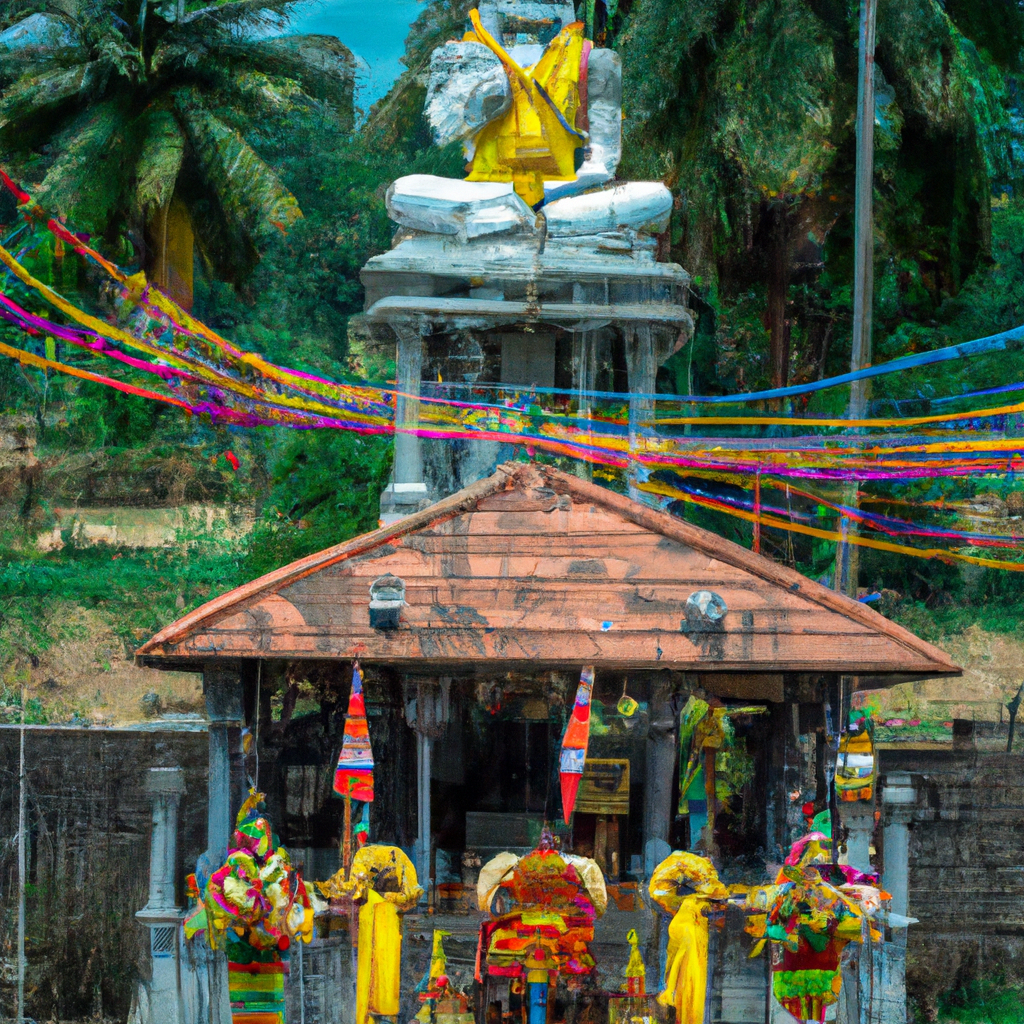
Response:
column 538, row 110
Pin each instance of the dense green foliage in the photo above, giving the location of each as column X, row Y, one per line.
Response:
column 747, row 106
column 982, row 1003
column 116, row 107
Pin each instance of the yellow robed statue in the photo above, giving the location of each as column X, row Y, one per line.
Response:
column 536, row 139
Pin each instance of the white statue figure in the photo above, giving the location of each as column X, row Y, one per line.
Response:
column 538, row 110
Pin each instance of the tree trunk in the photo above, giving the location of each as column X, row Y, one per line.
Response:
column 778, row 291
column 171, row 243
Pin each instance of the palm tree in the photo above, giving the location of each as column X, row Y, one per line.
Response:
column 132, row 118
column 747, row 108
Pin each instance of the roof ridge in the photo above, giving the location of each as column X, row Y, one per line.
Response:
column 506, row 477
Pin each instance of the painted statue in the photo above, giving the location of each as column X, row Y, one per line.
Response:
column 543, row 907
column 538, row 110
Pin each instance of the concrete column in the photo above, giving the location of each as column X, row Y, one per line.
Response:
column 164, row 787
column 898, row 801
column 859, row 819
column 584, row 377
column 423, row 751
column 222, row 686
column 643, row 372
column 659, row 777
column 161, row 914
column 407, row 489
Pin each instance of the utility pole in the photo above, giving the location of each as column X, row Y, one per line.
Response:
column 863, row 268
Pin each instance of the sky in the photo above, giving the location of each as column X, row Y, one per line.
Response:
column 373, row 30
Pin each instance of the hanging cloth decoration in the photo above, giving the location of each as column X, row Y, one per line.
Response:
column 253, row 907
column 354, row 775
column 627, row 707
column 383, row 883
column 691, row 745
column 362, row 828
column 574, row 743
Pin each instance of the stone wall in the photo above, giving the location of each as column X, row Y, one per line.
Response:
column 966, row 867
column 88, row 861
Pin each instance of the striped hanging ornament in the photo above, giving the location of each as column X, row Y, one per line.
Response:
column 574, row 743
column 354, row 775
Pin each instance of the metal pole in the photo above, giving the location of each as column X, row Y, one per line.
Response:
column 21, row 868
column 864, row 240
column 863, row 267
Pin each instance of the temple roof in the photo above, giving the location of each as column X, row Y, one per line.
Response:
column 534, row 566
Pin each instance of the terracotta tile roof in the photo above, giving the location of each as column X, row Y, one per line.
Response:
column 535, row 566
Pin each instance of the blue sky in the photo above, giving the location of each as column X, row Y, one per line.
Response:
column 374, row 30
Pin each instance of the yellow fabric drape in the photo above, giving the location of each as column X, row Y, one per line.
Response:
column 378, row 969
column 687, row 977
column 535, row 139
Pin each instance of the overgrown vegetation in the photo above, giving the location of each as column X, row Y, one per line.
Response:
column 982, row 1002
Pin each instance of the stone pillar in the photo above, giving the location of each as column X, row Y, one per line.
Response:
column 659, row 777
column 162, row 915
column 643, row 373
column 407, row 489
column 859, row 820
column 898, row 801
column 427, row 712
column 584, row 377
column 222, row 686
column 423, row 808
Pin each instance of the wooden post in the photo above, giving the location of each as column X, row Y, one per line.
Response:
column 757, row 513
column 346, row 838
column 22, row 789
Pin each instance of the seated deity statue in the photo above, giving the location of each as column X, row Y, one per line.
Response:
column 538, row 110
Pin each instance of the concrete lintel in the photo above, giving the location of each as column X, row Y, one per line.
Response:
column 164, row 782
column 495, row 312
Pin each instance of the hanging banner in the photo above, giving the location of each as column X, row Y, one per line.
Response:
column 574, row 743
column 354, row 775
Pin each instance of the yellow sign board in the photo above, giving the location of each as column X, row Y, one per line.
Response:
column 604, row 788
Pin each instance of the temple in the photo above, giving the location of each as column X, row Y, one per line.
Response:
column 550, row 686
column 470, row 654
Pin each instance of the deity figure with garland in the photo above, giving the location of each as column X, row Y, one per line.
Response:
column 543, row 907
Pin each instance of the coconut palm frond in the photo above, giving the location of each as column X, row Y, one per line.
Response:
column 249, row 191
column 177, row 55
column 16, row 63
column 241, row 11
column 35, row 93
column 276, row 95
column 322, row 65
column 113, row 48
column 86, row 180
column 159, row 162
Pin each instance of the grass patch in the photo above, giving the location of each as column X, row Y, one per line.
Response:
column 982, row 1002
